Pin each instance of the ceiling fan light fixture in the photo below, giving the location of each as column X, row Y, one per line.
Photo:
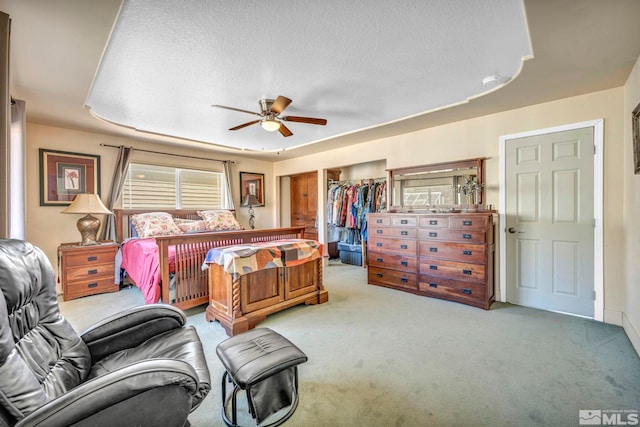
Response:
column 270, row 125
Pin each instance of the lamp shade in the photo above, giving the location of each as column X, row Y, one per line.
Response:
column 250, row 200
column 87, row 204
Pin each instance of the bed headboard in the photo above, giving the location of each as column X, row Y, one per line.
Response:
column 123, row 218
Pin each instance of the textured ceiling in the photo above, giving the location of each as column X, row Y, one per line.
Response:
column 166, row 62
column 579, row 46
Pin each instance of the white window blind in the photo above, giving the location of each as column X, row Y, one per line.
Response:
column 153, row 186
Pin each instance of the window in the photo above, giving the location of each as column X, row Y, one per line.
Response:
column 165, row 187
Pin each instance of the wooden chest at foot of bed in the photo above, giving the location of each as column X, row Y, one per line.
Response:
column 240, row 304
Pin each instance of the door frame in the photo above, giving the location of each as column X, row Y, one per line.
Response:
column 598, row 198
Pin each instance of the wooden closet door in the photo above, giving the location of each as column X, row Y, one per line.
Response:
column 304, row 203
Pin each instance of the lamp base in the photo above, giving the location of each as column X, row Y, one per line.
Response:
column 88, row 227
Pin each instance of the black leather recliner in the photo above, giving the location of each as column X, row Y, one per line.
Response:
column 142, row 367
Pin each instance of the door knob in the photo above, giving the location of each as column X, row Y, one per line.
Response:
column 513, row 230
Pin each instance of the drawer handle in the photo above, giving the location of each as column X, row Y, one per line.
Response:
column 92, row 285
column 379, row 231
column 404, row 263
column 433, row 249
column 404, row 233
column 378, row 221
column 466, row 291
column 404, row 280
column 466, row 252
column 404, row 221
column 378, row 274
column 433, row 234
column 468, row 272
column 466, row 236
column 403, row 246
column 433, row 222
column 433, row 285
column 92, row 258
column 379, row 259
column 467, row 222
column 92, row 271
column 433, row 267
column 379, row 244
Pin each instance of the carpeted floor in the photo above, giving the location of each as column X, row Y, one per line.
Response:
column 379, row 357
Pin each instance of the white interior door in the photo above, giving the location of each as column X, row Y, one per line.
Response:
column 549, row 206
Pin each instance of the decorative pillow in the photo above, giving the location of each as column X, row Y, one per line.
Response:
column 192, row 225
column 220, row 220
column 154, row 224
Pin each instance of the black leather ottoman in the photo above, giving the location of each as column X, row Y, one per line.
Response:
column 265, row 365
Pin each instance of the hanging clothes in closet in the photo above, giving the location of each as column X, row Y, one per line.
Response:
column 348, row 204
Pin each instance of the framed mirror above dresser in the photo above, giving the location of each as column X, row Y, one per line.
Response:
column 439, row 187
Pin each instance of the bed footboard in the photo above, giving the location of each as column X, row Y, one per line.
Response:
column 187, row 287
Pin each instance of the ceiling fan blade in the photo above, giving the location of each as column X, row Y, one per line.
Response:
column 309, row 120
column 236, row 109
column 285, row 130
column 279, row 105
column 244, row 125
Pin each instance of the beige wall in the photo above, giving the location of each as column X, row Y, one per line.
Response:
column 479, row 137
column 631, row 231
column 47, row 227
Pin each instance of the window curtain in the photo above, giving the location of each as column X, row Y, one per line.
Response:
column 228, row 194
column 117, row 182
column 17, row 171
column 5, row 100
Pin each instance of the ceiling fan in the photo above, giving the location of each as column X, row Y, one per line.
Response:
column 270, row 118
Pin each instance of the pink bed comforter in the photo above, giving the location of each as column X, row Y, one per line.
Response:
column 141, row 261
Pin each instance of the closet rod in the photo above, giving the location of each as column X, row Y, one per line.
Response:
column 170, row 154
column 353, row 181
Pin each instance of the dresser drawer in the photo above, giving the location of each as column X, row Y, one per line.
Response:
column 463, row 236
column 89, row 286
column 434, row 222
column 97, row 256
column 467, row 223
column 453, row 270
column 394, row 261
column 375, row 220
column 90, row 272
column 401, row 279
column 452, row 251
column 394, row 232
column 397, row 246
column 445, row 288
column 404, row 221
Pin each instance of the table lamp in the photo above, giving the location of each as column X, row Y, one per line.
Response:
column 251, row 201
column 87, row 225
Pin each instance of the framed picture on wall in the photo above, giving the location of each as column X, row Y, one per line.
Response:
column 635, row 132
column 252, row 184
column 63, row 175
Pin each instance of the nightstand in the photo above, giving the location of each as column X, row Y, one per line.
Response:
column 87, row 270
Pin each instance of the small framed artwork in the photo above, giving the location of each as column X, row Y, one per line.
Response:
column 252, row 184
column 635, row 132
column 64, row 174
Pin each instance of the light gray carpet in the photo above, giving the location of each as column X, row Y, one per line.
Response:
column 379, row 357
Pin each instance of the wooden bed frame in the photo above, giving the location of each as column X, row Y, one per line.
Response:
column 191, row 287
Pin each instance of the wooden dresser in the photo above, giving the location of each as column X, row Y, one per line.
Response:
column 447, row 256
column 87, row 270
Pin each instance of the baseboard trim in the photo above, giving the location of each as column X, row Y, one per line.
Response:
column 613, row 317
column 632, row 333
